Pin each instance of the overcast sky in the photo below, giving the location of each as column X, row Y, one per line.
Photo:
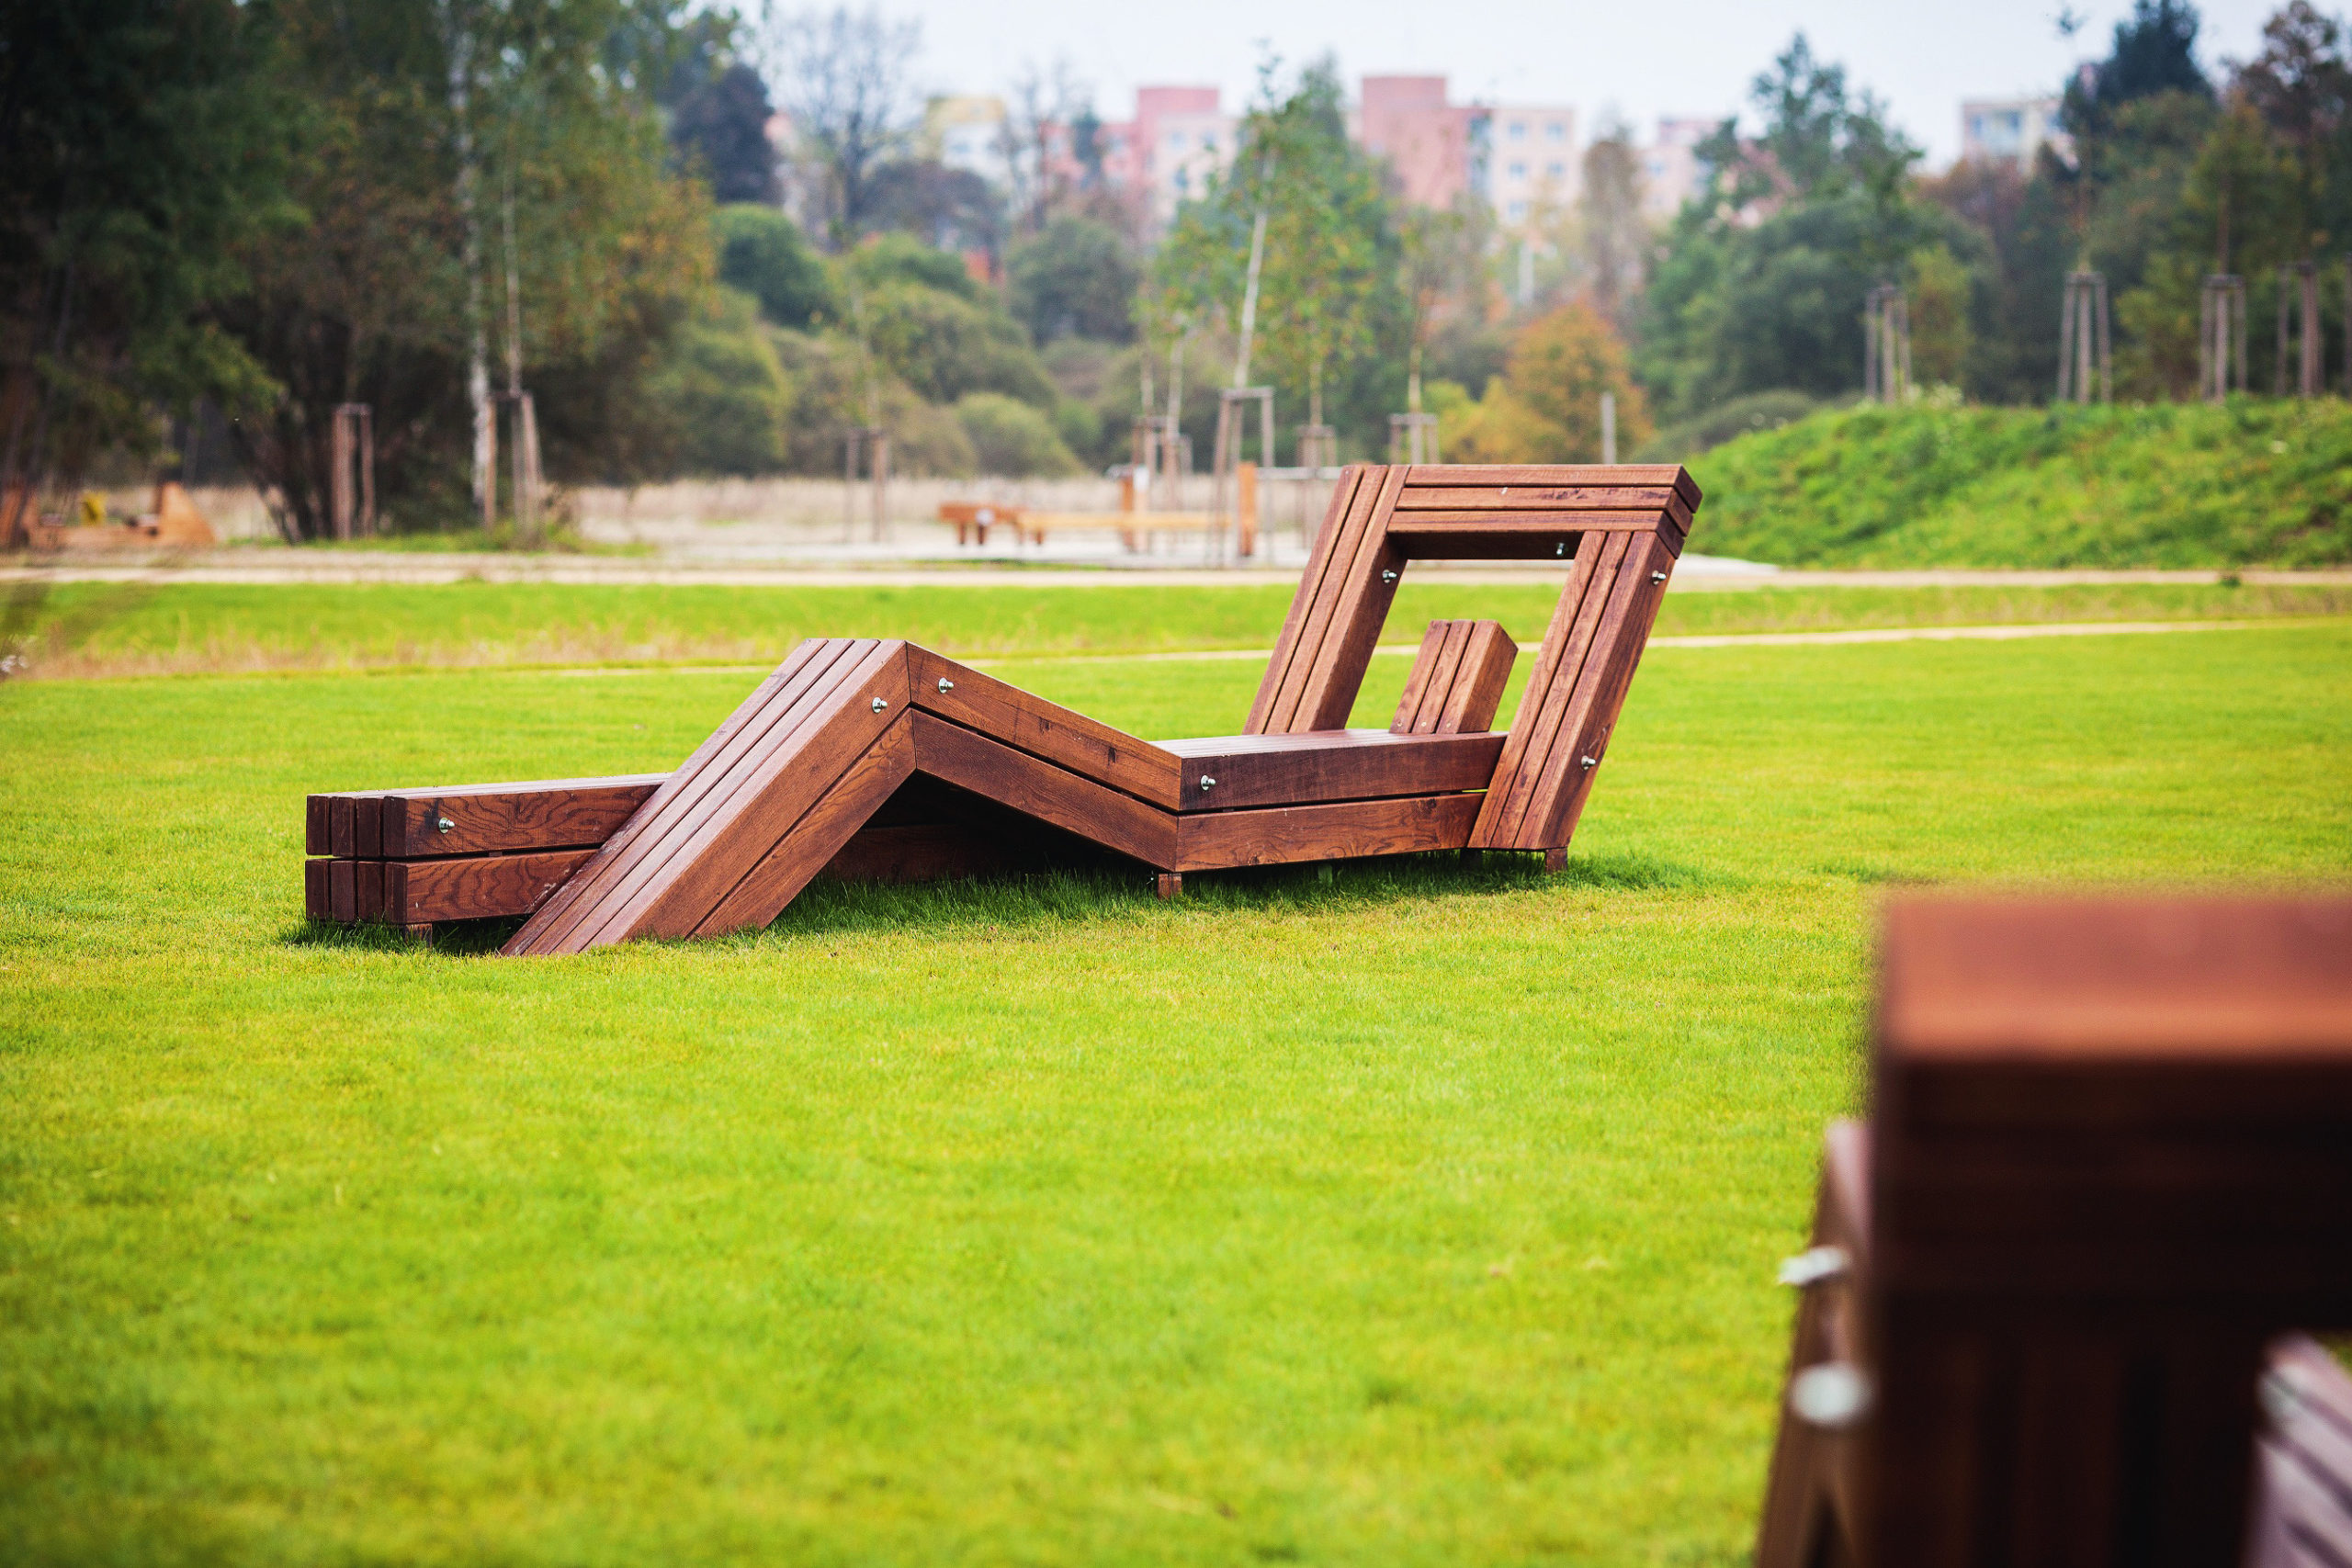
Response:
column 1645, row 59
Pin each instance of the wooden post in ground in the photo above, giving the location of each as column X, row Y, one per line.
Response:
column 2220, row 337
column 351, row 487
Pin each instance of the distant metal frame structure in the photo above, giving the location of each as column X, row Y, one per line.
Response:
column 2086, row 359
column 1886, row 346
column 2220, row 336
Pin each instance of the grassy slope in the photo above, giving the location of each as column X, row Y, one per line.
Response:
column 105, row 629
column 2257, row 482
column 1415, row 1216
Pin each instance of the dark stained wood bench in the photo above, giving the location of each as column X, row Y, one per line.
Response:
column 2108, row 1164
column 862, row 756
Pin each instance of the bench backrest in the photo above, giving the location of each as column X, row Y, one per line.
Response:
column 2109, row 1159
column 1616, row 530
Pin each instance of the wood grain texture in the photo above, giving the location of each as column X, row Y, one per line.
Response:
column 1328, row 693
column 1356, row 543
column 475, row 887
column 1434, row 665
column 1560, row 800
column 713, row 847
column 508, row 818
column 317, row 838
column 1078, row 804
column 834, row 814
column 923, row 851
column 555, row 918
column 1059, row 734
column 1292, row 637
column 1536, row 733
column 1329, row 764
column 318, row 898
column 1480, row 475
column 343, row 890
column 609, row 897
column 1457, row 678
column 1342, row 830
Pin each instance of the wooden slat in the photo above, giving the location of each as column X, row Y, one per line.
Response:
column 1354, row 550
column 1370, row 587
column 1335, row 765
column 1094, row 812
column 1425, row 672
column 834, row 813
column 1487, row 500
column 1057, row 734
column 554, row 923
column 1540, row 684
column 1344, row 830
column 1564, row 766
column 1292, row 637
column 508, row 818
column 639, row 855
column 1670, row 475
column 317, row 838
column 474, row 887
column 1478, row 684
column 1427, row 713
column 1552, row 815
column 368, row 889
column 343, row 890
column 1575, row 629
column 1410, row 527
column 711, row 848
column 317, row 897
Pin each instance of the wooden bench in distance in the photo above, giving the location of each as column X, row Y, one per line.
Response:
column 845, row 728
column 2109, row 1162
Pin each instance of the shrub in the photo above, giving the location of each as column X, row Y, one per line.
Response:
column 1011, row 438
column 762, row 253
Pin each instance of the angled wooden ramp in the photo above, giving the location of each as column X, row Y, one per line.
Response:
column 873, row 757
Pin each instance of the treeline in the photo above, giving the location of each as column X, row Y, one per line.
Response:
column 220, row 219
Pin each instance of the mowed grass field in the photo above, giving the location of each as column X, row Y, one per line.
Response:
column 1414, row 1213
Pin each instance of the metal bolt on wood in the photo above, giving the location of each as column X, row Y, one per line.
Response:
column 1207, row 783
column 879, row 705
column 445, row 825
column 1657, row 577
column 1590, row 762
column 1387, row 577
column 945, row 684
column 1814, row 1266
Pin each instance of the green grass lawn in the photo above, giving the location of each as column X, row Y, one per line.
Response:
column 1416, row 1215
column 145, row 630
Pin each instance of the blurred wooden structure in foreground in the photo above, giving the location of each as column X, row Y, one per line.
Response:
column 2108, row 1166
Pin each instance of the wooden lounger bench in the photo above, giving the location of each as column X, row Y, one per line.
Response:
column 853, row 739
column 2108, row 1164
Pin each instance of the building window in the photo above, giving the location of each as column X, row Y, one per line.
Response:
column 1184, row 181
column 1555, row 170
column 1519, row 131
column 1556, row 132
column 1208, row 143
column 1176, row 139
column 1517, row 210
column 1518, row 171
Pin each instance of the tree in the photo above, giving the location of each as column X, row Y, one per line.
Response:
column 1613, row 235
column 143, row 148
column 763, row 253
column 842, row 79
column 1547, row 408
column 1331, row 251
column 720, row 123
column 1074, row 279
column 1044, row 105
column 1763, row 280
column 372, row 299
column 2154, row 51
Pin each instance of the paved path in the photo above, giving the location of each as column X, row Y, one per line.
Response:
column 1733, row 639
column 1697, row 572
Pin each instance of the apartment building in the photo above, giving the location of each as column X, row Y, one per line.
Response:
column 1672, row 171
column 1531, row 164
column 2009, row 130
column 1435, row 147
